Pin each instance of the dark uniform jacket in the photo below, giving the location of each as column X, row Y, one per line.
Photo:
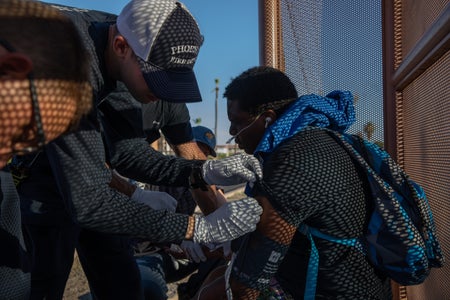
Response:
column 70, row 180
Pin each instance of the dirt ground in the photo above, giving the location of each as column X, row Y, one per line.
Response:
column 77, row 285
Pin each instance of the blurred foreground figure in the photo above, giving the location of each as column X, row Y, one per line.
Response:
column 44, row 92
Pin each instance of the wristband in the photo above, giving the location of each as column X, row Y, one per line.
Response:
column 190, row 228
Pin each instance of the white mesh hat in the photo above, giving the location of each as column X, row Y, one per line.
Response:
column 166, row 39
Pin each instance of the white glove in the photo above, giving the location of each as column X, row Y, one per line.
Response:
column 193, row 251
column 232, row 170
column 154, row 199
column 228, row 222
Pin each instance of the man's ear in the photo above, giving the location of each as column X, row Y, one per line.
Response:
column 120, row 46
column 269, row 117
column 15, row 66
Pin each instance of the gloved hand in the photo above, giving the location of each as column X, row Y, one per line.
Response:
column 232, row 170
column 193, row 251
column 228, row 222
column 154, row 199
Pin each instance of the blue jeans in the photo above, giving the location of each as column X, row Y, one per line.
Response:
column 157, row 269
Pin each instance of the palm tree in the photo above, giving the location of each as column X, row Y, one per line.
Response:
column 369, row 129
column 216, row 81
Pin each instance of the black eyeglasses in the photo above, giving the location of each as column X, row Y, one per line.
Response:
column 39, row 138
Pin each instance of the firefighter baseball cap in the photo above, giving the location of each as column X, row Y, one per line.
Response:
column 166, row 40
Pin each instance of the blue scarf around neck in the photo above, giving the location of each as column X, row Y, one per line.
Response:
column 335, row 112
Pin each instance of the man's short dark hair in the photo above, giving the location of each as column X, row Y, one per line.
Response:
column 258, row 86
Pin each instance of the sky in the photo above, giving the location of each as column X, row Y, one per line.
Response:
column 230, row 30
column 343, row 52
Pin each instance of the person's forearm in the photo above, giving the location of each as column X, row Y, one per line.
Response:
column 121, row 184
column 93, row 204
column 189, row 150
column 273, row 233
column 135, row 159
column 207, row 200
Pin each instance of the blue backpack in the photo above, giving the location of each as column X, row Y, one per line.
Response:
column 401, row 238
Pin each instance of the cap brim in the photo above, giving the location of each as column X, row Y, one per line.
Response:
column 213, row 152
column 173, row 86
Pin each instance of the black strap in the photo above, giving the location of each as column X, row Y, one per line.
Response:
column 12, row 254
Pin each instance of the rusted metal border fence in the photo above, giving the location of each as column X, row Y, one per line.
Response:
column 416, row 104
